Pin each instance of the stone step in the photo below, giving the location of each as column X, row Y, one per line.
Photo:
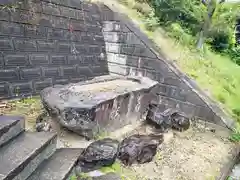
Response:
column 58, row 167
column 10, row 127
column 21, row 156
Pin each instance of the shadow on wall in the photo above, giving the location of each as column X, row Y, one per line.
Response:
column 43, row 44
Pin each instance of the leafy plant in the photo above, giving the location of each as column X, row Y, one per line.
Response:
column 235, row 137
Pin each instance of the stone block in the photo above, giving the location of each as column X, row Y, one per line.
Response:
column 86, row 37
column 51, row 72
column 103, row 104
column 33, row 5
column 50, row 8
column 9, row 75
column 30, row 74
column 61, row 81
column 60, row 22
column 4, row 90
column 64, row 47
column 58, row 59
column 13, row 29
column 81, row 48
column 6, row 44
column 19, row 89
column 85, row 72
column 69, row 72
column 38, row 59
column 22, row 16
column 93, row 28
column 172, row 92
column 125, row 49
column 33, row 31
column 46, row 46
column 55, row 34
column 4, row 15
column 68, row 12
column 110, row 26
column 40, row 85
column 78, row 25
column 1, row 61
column 25, row 45
column 113, row 47
column 16, row 60
column 91, row 59
column 99, row 70
column 74, row 59
column 75, row 4
column 95, row 49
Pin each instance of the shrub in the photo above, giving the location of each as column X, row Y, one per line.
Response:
column 190, row 15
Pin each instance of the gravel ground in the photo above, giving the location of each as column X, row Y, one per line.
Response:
column 196, row 154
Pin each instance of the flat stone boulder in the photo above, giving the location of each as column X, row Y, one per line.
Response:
column 103, row 104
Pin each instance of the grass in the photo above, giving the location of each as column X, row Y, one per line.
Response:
column 217, row 75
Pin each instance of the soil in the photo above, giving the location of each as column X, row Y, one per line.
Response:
column 199, row 153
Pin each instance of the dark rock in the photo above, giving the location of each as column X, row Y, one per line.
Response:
column 170, row 118
column 109, row 176
column 161, row 118
column 139, row 148
column 103, row 104
column 99, row 153
column 180, row 122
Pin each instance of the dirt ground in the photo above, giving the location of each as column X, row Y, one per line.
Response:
column 196, row 154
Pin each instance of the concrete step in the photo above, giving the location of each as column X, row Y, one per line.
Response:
column 59, row 167
column 21, row 156
column 10, row 127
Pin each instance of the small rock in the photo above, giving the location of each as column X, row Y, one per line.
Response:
column 179, row 121
column 139, row 148
column 170, row 118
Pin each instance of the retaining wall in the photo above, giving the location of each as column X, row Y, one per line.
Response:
column 43, row 43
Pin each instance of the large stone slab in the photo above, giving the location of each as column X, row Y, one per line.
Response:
column 103, row 104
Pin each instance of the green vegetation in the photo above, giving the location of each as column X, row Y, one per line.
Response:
column 213, row 69
column 29, row 107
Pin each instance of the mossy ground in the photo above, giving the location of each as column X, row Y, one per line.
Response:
column 30, row 108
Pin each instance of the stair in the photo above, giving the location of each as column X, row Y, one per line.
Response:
column 58, row 167
column 10, row 126
column 32, row 155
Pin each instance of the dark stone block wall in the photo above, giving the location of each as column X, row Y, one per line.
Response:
column 43, row 43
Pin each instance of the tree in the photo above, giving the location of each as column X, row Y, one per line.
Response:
column 211, row 8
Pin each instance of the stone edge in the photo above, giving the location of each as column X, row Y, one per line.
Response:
column 52, row 140
column 227, row 168
column 211, row 104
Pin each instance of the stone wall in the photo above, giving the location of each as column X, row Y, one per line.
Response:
column 64, row 41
